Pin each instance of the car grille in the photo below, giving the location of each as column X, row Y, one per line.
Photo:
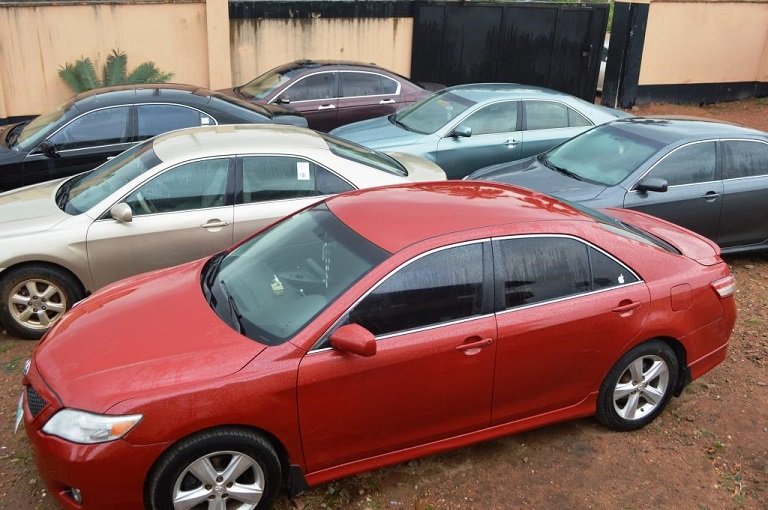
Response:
column 35, row 402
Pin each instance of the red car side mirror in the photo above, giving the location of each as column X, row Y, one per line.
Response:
column 354, row 339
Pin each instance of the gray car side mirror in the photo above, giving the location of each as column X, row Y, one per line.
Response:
column 121, row 212
column 652, row 184
column 461, row 131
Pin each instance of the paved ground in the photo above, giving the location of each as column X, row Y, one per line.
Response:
column 709, row 449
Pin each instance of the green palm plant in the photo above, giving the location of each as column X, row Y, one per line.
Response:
column 81, row 75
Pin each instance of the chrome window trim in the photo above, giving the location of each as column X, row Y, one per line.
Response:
column 83, row 115
column 753, row 140
column 387, row 277
column 299, row 80
column 102, row 217
column 305, row 158
column 395, row 93
column 567, row 107
column 566, row 298
column 580, row 294
column 665, row 156
column 445, row 133
column 34, row 154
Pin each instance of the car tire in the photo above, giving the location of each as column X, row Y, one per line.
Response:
column 34, row 297
column 638, row 387
column 197, row 468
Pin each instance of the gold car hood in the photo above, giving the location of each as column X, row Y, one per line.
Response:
column 30, row 209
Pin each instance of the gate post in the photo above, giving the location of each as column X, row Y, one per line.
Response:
column 625, row 53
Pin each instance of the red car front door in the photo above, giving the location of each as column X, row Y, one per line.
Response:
column 431, row 376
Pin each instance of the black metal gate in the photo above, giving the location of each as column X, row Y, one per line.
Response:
column 552, row 45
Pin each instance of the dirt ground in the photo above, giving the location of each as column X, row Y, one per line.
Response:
column 708, row 450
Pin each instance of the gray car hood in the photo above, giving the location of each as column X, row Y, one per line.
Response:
column 378, row 133
column 532, row 174
column 30, row 209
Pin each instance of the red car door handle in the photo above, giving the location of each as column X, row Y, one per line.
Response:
column 483, row 342
column 387, row 101
column 627, row 307
column 326, row 107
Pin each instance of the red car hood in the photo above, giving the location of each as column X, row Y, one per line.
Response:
column 690, row 244
column 140, row 334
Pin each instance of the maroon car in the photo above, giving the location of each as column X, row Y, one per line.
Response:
column 333, row 93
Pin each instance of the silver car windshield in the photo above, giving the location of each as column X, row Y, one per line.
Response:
column 431, row 113
column 605, row 155
column 274, row 284
column 83, row 191
column 359, row 154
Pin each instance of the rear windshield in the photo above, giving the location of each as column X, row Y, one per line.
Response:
column 623, row 229
column 364, row 155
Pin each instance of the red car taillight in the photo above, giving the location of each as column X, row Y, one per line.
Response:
column 725, row 286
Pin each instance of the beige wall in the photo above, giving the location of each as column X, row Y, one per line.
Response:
column 259, row 45
column 705, row 42
column 36, row 40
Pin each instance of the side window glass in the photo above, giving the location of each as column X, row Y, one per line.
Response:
column 545, row 115
column 195, row 185
column 440, row 287
column 688, row 165
column 606, row 272
column 102, row 127
column 494, row 118
column 575, row 119
column 744, row 159
column 155, row 119
column 316, row 86
column 366, row 84
column 539, row 269
column 283, row 177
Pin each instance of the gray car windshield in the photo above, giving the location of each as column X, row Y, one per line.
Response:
column 605, row 155
column 82, row 192
column 364, row 155
column 41, row 126
column 274, row 284
column 431, row 113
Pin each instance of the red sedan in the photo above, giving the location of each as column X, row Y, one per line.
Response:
column 371, row 328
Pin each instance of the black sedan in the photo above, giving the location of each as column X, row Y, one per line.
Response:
column 96, row 125
column 709, row 177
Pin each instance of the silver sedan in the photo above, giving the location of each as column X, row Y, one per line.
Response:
column 172, row 199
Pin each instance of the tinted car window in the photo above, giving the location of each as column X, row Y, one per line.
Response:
column 439, row 287
column 690, row 164
column 744, row 159
column 551, row 115
column 195, row 185
column 494, row 118
column 160, row 118
column 101, row 127
column 284, row 177
column 316, row 86
column 366, row 84
column 538, row 269
column 606, row 272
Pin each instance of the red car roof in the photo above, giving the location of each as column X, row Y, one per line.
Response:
column 396, row 216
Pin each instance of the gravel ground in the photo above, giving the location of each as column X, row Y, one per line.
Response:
column 708, row 450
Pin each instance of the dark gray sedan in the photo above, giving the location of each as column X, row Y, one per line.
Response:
column 709, row 177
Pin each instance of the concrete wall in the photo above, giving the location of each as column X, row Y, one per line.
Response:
column 36, row 38
column 705, row 42
column 258, row 45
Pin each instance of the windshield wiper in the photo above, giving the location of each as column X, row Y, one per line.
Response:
column 213, row 268
column 393, row 119
column 543, row 158
column 233, row 307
